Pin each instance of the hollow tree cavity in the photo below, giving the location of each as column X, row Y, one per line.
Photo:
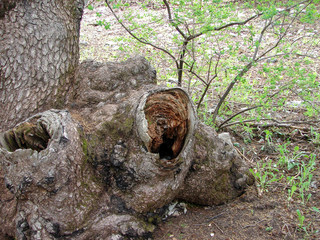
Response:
column 168, row 119
column 31, row 134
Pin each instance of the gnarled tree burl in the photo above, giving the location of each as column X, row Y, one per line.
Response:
column 103, row 168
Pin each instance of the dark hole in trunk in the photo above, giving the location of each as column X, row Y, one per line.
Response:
column 165, row 150
column 168, row 122
column 24, row 136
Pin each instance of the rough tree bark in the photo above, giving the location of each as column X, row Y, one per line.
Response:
column 125, row 148
column 39, row 53
column 106, row 168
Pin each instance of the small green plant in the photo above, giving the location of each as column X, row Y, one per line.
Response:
column 205, row 115
column 103, row 22
column 301, row 182
column 269, row 229
column 301, row 218
column 248, row 134
column 268, row 146
column 304, row 180
column 315, row 137
column 284, row 152
column 268, row 137
column 291, row 191
column 317, row 210
column 265, row 174
column 288, row 158
column 301, row 225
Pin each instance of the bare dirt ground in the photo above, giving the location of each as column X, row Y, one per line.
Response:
column 254, row 215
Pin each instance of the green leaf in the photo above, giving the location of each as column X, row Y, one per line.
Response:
column 90, row 7
column 316, row 209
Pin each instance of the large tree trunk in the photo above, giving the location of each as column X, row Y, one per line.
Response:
column 39, row 54
column 106, row 168
column 126, row 147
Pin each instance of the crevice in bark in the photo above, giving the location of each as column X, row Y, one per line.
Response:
column 24, row 136
column 168, row 118
column 6, row 6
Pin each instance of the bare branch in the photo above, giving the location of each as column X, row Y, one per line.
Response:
column 283, row 35
column 146, row 24
column 205, row 91
column 225, row 26
column 238, row 113
column 254, row 107
column 226, row 93
column 209, row 81
column 254, row 59
column 180, row 62
column 310, row 103
column 171, row 20
column 137, row 38
column 197, row 76
column 241, row 74
column 260, row 39
column 237, row 23
column 284, row 54
column 263, row 31
column 275, row 123
column 251, row 18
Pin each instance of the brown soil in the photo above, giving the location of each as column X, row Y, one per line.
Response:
column 254, row 215
column 249, row 217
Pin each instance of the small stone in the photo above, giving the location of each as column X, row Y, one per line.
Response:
column 84, row 43
column 226, row 137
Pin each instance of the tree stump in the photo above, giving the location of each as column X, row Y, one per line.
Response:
column 124, row 149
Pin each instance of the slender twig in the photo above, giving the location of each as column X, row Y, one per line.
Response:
column 181, row 62
column 146, row 24
column 240, row 74
column 238, row 113
column 209, row 81
column 214, row 217
column 255, row 59
column 243, row 155
column 253, row 225
column 285, row 54
column 225, row 26
column 218, row 227
column 197, row 76
column 135, row 37
column 172, row 21
column 226, row 93
column 260, row 39
column 254, row 107
column 205, row 91
column 275, row 124
column 288, row 230
column 283, row 35
column 312, row 105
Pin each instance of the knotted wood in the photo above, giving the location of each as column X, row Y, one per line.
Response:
column 105, row 168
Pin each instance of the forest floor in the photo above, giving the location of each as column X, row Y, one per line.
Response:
column 263, row 211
